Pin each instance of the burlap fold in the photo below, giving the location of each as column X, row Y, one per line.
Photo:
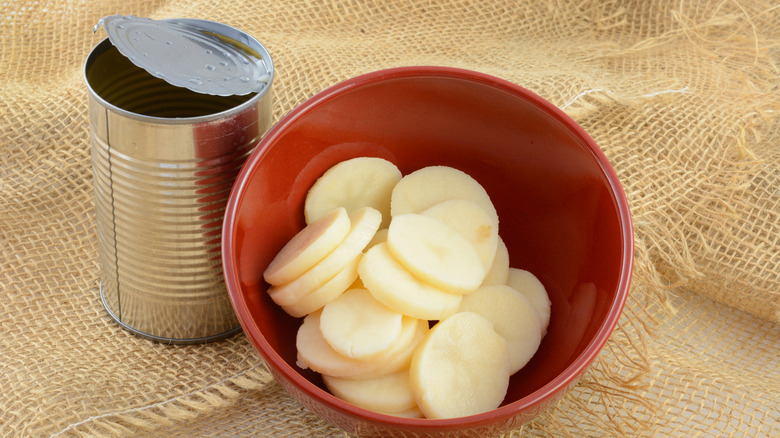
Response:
column 683, row 97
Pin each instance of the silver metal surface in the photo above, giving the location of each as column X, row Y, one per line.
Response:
column 164, row 160
column 191, row 53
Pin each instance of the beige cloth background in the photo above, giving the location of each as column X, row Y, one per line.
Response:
column 682, row 96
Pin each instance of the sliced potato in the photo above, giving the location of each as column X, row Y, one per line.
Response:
column 388, row 393
column 358, row 326
column 461, row 368
column 326, row 293
column 399, row 356
column 435, row 253
column 352, row 184
column 431, row 185
column 365, row 222
column 527, row 284
column 308, row 247
column 512, row 316
column 472, row 222
column 314, row 351
column 395, row 287
column 499, row 270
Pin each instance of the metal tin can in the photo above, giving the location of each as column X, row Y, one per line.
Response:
column 164, row 160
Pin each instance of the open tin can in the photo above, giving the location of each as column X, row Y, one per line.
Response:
column 175, row 108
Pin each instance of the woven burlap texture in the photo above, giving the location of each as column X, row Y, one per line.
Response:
column 682, row 96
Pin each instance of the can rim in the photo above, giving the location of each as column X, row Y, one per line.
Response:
column 254, row 44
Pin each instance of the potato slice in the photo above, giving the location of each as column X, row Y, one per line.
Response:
column 358, row 326
column 461, row 368
column 431, row 185
column 326, row 293
column 388, row 393
column 435, row 253
column 399, row 356
column 527, row 284
column 314, row 351
column 513, row 317
column 365, row 222
column 499, row 270
column 472, row 222
column 352, row 184
column 308, row 247
column 395, row 287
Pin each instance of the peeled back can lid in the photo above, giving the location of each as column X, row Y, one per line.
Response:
column 203, row 56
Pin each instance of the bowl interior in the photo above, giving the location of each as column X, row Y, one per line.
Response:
column 562, row 214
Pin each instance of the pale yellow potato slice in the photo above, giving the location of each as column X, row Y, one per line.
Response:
column 527, row 284
column 435, row 253
column 308, row 247
column 460, row 368
column 472, row 222
column 352, row 184
column 388, row 393
column 431, row 185
column 358, row 326
column 395, row 287
column 314, row 351
column 513, row 317
column 399, row 356
column 326, row 293
column 499, row 270
column 365, row 222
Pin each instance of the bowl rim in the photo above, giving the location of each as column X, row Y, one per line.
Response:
column 549, row 390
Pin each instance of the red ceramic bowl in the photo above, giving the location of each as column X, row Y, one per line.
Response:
column 563, row 216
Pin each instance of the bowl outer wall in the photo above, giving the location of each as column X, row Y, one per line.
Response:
column 509, row 415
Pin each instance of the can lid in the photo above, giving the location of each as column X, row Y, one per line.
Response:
column 187, row 53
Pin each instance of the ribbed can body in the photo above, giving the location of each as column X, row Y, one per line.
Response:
column 161, row 183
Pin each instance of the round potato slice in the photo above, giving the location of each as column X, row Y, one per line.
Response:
column 399, row 356
column 365, row 222
column 308, row 247
column 435, row 253
column 395, row 287
column 527, row 284
column 326, row 293
column 389, row 393
column 472, row 222
column 358, row 326
column 461, row 368
column 314, row 351
column 431, row 185
column 513, row 317
column 499, row 270
column 352, row 184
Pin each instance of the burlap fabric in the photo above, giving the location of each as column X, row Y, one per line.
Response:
column 682, row 96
